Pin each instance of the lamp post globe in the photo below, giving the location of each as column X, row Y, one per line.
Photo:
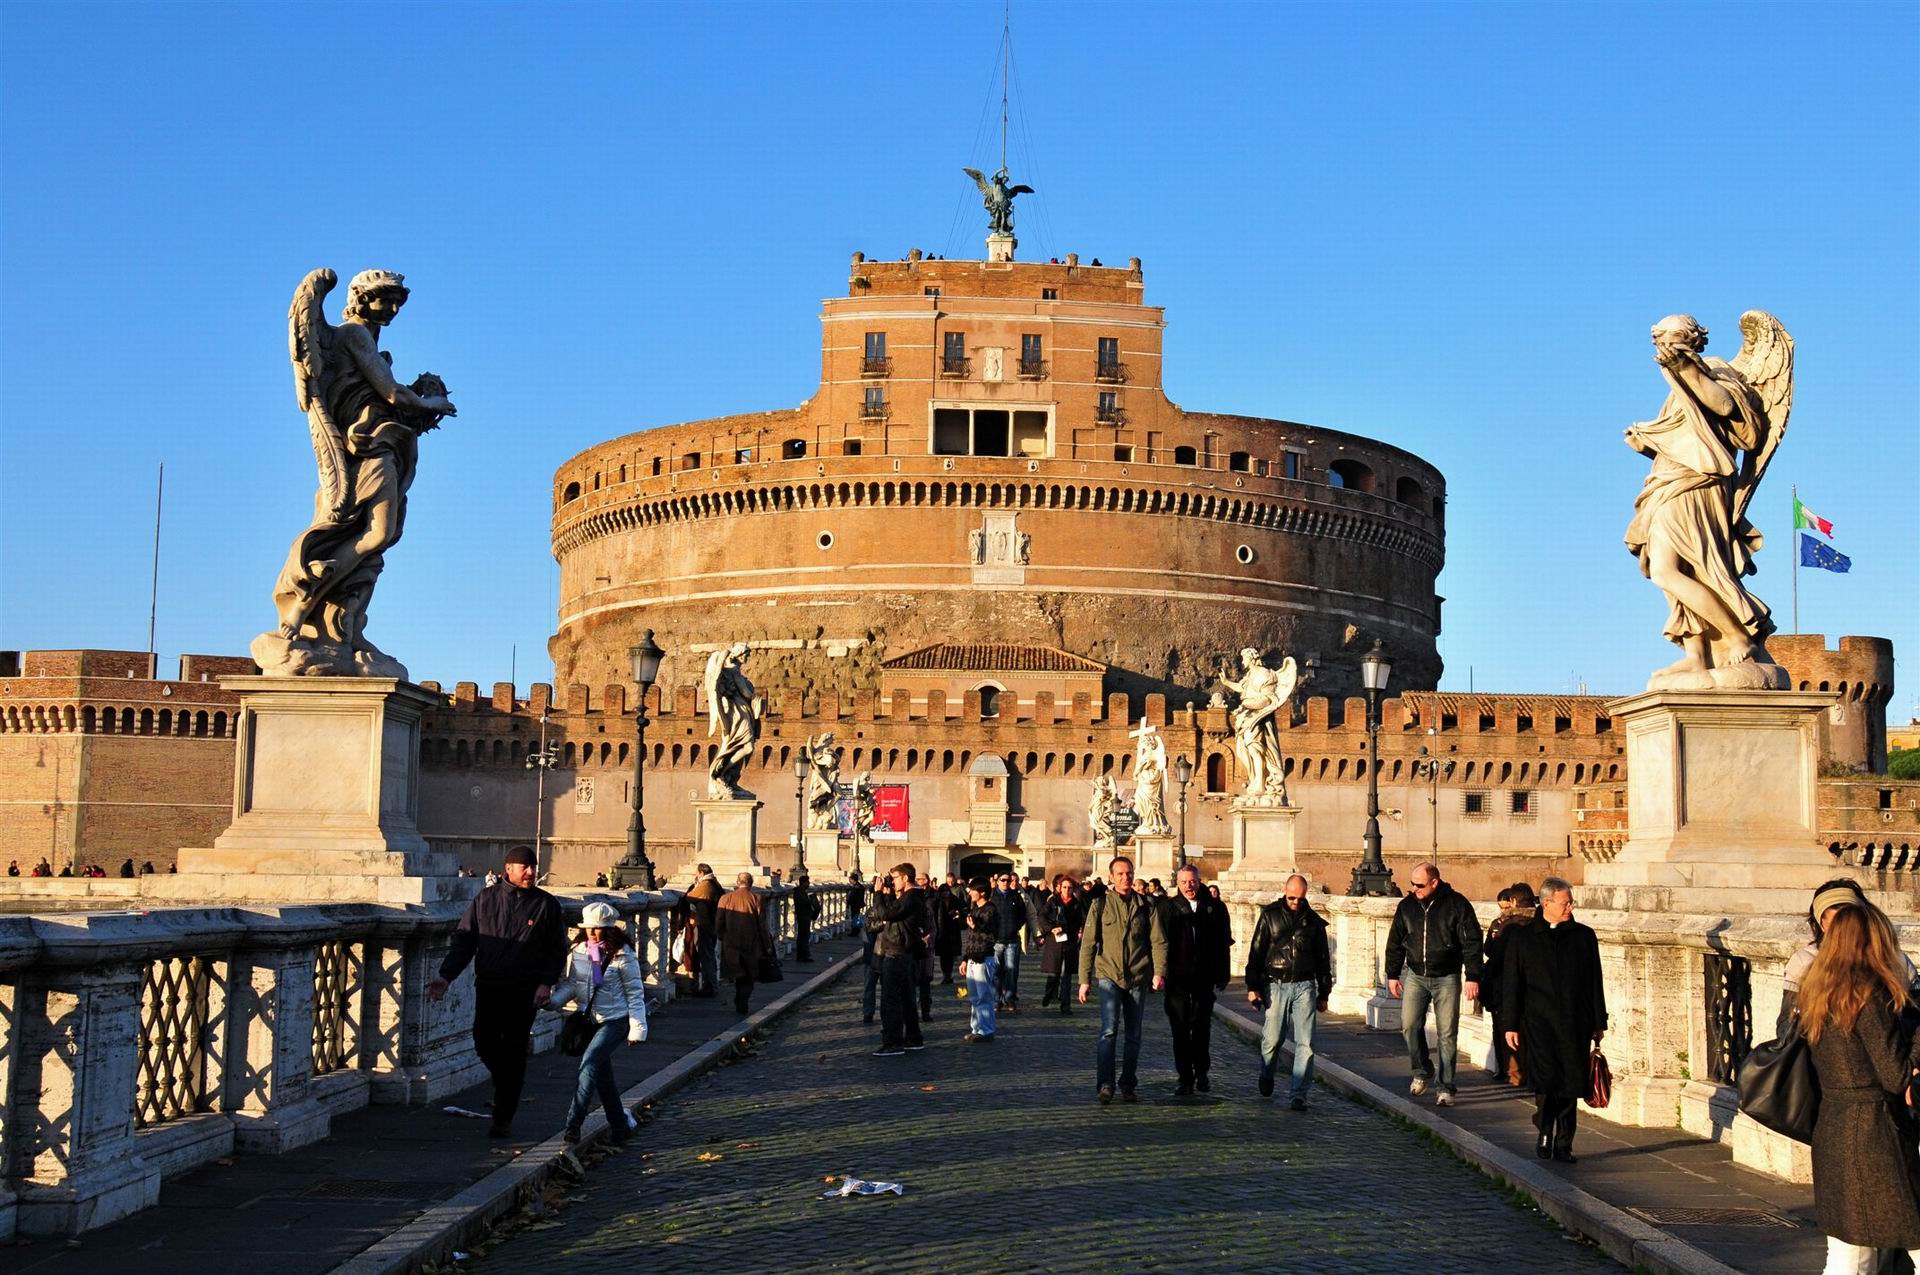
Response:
column 1182, row 774
column 1372, row 876
column 635, row 870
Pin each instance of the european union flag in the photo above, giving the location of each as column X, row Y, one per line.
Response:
column 1817, row 553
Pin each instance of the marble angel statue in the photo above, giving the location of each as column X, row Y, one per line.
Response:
column 1264, row 694
column 823, row 780
column 1710, row 445
column 733, row 713
column 366, row 428
column 1150, row 782
column 1100, row 811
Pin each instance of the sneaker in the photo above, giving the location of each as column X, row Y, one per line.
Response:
column 1106, row 1094
column 915, row 1045
column 1129, row 1095
column 571, row 1137
column 1298, row 1104
column 1444, row 1099
column 889, row 1051
column 1266, row 1086
column 1418, row 1087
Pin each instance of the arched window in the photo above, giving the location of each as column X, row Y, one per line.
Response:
column 1350, row 474
column 571, row 494
column 1216, row 773
column 220, row 724
column 1408, row 492
column 1185, row 456
column 989, row 701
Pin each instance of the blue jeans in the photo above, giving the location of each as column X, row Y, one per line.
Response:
column 1119, row 1006
column 1294, row 1005
column 1007, row 956
column 1442, row 991
column 596, row 1076
column 982, row 979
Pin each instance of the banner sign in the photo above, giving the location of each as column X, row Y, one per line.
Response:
column 891, row 811
column 1126, row 821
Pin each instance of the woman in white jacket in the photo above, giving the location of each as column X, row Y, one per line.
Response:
column 603, row 977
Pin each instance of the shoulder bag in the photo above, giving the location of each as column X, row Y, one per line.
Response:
column 577, row 1032
column 1779, row 1087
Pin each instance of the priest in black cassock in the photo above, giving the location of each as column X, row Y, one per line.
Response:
column 1555, row 1011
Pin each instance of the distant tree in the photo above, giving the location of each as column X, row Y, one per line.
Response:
column 1904, row 763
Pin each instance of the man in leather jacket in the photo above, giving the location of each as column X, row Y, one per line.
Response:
column 1434, row 939
column 1197, row 967
column 899, row 946
column 1290, row 974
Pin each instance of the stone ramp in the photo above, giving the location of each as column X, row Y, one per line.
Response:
column 310, row 1210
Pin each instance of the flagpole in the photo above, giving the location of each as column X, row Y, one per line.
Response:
column 1795, row 542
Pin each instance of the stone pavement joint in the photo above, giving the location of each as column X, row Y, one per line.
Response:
column 1010, row 1165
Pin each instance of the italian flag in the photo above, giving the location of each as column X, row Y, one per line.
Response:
column 1805, row 517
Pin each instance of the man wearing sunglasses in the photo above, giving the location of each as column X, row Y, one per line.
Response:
column 1435, row 938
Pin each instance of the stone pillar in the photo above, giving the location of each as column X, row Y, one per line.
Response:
column 726, row 835
column 1359, row 958
column 1153, row 857
column 823, row 851
column 268, row 1089
column 1263, row 848
column 416, row 1050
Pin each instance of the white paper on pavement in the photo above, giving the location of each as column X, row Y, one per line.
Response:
column 856, row 1186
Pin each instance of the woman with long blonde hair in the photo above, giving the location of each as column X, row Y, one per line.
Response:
column 1866, row 1173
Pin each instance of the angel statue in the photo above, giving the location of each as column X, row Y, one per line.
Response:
column 998, row 197
column 366, row 429
column 823, row 780
column 1710, row 446
column 1100, row 812
column 1150, row 782
column 733, row 713
column 1264, row 693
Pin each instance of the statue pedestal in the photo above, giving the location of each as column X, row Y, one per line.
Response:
column 1722, row 804
column 326, row 776
column 1000, row 247
column 1263, row 850
column 1153, row 856
column 725, row 836
column 823, row 852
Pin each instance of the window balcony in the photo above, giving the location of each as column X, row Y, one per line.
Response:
column 953, row 365
column 1033, row 369
column 874, row 411
column 1110, row 415
column 1111, row 372
column 876, row 366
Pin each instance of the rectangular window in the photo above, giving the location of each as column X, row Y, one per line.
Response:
column 952, row 431
column 1109, row 350
column 876, row 345
column 1473, row 803
column 1520, row 802
column 953, row 354
column 1290, row 465
column 743, row 456
column 1049, row 294
column 1109, row 408
column 851, row 447
column 1122, row 453
column 931, row 292
column 656, row 466
column 1032, row 355
column 874, row 403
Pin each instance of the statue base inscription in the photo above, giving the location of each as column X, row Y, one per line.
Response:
column 326, row 774
column 726, row 836
column 1722, row 804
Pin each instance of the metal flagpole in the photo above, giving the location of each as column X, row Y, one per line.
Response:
column 153, row 592
column 1794, row 544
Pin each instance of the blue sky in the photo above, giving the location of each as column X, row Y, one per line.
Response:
column 1448, row 226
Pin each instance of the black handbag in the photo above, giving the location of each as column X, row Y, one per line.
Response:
column 1779, row 1087
column 577, row 1032
column 770, row 971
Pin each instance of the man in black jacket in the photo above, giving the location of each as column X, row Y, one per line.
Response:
column 1009, row 935
column 899, row 945
column 515, row 937
column 978, row 965
column 1196, row 928
column 1435, row 936
column 1290, row 975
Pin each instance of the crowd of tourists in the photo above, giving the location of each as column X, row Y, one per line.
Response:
column 1850, row 994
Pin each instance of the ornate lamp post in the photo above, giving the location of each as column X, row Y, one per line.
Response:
column 1373, row 876
column 1182, row 775
column 636, row 870
column 802, row 901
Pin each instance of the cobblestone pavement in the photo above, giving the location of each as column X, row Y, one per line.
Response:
column 1011, row 1165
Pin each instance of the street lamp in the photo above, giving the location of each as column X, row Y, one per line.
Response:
column 636, row 870
column 802, row 900
column 1183, row 775
column 543, row 760
column 1373, row 876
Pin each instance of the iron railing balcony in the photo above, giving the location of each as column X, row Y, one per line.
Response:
column 873, row 365
column 953, row 365
column 1033, row 369
column 1111, row 371
column 1110, row 415
column 874, row 411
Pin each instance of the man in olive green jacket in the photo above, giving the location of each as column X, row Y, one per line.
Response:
column 1122, row 949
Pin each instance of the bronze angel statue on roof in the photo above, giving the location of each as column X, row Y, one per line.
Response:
column 366, row 429
column 998, row 197
column 1711, row 444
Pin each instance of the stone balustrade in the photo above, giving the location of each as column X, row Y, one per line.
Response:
column 1687, row 996
column 138, row 1045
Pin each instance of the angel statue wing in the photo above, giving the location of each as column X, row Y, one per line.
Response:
column 979, row 179
column 1287, row 678
column 309, row 341
column 1019, row 190
column 716, row 665
column 1765, row 362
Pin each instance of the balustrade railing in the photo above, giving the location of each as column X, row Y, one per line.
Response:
column 140, row 1045
column 1727, row 1000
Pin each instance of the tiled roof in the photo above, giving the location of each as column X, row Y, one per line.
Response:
column 1467, row 704
column 988, row 657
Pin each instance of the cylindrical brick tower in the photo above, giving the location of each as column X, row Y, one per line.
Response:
column 991, row 457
